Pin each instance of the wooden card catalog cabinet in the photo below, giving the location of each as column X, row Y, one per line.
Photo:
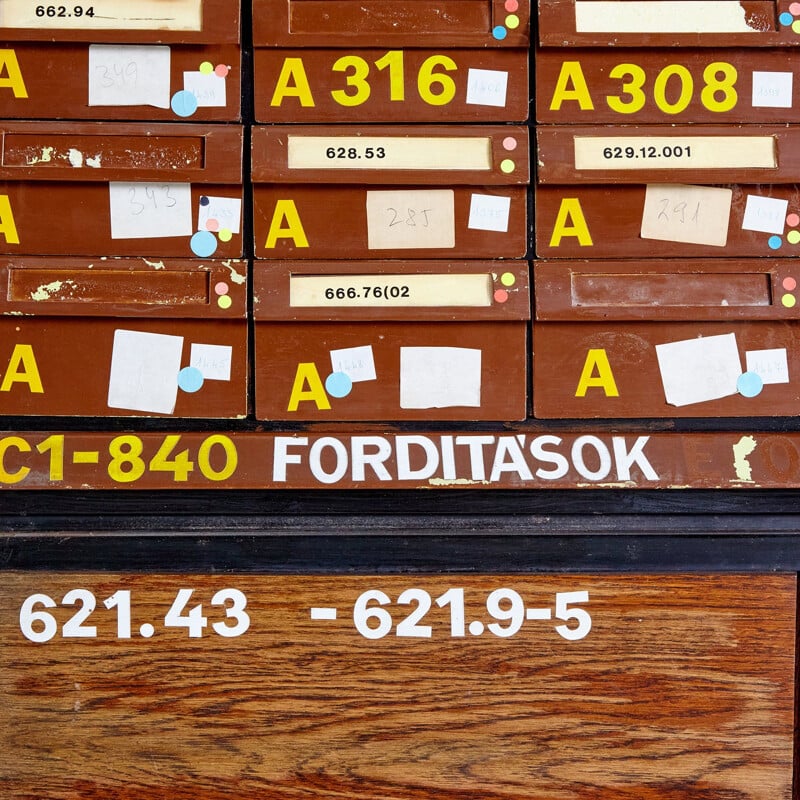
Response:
column 120, row 189
column 568, row 686
column 668, row 23
column 379, row 191
column 640, row 85
column 396, row 340
column 117, row 59
column 700, row 338
column 391, row 61
column 123, row 337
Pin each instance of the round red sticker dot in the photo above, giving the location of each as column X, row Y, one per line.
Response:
column 221, row 71
column 222, row 288
column 790, row 284
column 509, row 143
column 793, row 220
column 212, row 224
column 500, row 296
column 511, row 6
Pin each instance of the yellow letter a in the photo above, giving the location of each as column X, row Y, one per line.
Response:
column 286, row 210
column 22, row 356
column 604, row 379
column 307, row 375
column 8, row 227
column 571, row 73
column 294, row 71
column 571, row 211
column 13, row 74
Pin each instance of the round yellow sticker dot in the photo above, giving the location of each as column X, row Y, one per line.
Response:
column 206, row 68
column 224, row 301
column 225, row 235
column 793, row 237
column 507, row 166
column 788, row 300
column 512, row 21
column 508, row 279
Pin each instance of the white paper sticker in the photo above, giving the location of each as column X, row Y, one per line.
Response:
column 440, row 377
column 213, row 360
column 222, row 212
column 358, row 363
column 698, row 370
column 661, row 16
column 764, row 214
column 129, row 75
column 487, row 212
column 406, row 219
column 770, row 365
column 487, row 87
column 693, row 214
column 772, row 89
column 150, row 210
column 144, row 371
column 208, row 89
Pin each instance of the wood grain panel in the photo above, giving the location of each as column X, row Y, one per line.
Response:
column 682, row 689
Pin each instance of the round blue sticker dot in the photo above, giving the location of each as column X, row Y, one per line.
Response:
column 499, row 33
column 204, row 201
column 190, row 379
column 774, row 242
column 204, row 244
column 184, row 103
column 749, row 384
column 338, row 384
column 786, row 18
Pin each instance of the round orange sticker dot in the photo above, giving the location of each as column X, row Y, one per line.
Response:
column 212, row 224
column 508, row 279
column 222, row 288
column 790, row 284
column 225, row 235
column 512, row 22
column 789, row 300
column 507, row 166
column 793, row 220
column 511, row 6
column 500, row 296
column 206, row 68
column 224, row 301
column 509, row 143
column 221, row 71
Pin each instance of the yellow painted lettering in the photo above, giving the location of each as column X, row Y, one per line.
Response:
column 19, row 444
column 8, row 228
column 597, row 374
column 571, row 222
column 308, row 388
column 571, row 87
column 293, row 82
column 22, row 368
column 11, row 74
column 286, row 212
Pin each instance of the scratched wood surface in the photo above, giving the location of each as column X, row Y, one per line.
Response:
column 683, row 688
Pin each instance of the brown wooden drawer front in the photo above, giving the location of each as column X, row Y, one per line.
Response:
column 681, row 687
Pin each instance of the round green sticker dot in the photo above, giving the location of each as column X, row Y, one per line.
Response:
column 508, row 279
column 224, row 301
column 793, row 237
column 224, row 234
column 507, row 166
column 206, row 68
